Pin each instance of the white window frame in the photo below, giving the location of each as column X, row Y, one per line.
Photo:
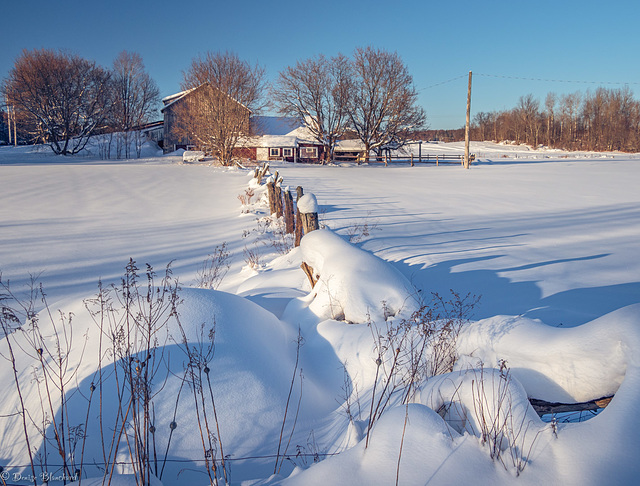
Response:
column 274, row 152
column 287, row 152
column 305, row 152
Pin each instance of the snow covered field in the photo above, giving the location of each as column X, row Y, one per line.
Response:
column 548, row 239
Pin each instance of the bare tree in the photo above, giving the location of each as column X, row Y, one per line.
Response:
column 225, row 92
column 136, row 99
column 569, row 109
column 383, row 106
column 604, row 119
column 316, row 91
column 550, row 104
column 59, row 98
column 528, row 111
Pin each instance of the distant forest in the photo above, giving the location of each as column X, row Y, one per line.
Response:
column 600, row 120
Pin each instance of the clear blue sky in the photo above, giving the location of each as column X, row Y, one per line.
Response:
column 582, row 41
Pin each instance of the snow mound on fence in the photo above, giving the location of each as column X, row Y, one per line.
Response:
column 353, row 284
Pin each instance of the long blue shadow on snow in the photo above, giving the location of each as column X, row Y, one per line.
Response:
column 500, row 296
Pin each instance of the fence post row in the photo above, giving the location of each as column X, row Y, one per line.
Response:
column 304, row 221
column 387, row 159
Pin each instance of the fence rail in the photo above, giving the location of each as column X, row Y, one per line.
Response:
column 411, row 159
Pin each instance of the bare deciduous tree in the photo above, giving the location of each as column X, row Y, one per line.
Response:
column 383, row 101
column 59, row 98
column 528, row 112
column 316, row 90
column 226, row 91
column 550, row 104
column 136, row 99
column 604, row 119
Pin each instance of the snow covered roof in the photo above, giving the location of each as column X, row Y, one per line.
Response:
column 352, row 145
column 170, row 100
column 275, row 125
column 278, row 132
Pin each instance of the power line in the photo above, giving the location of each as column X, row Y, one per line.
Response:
column 522, row 78
column 443, row 82
column 551, row 80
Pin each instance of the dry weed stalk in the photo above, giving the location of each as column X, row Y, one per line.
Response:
column 411, row 350
column 358, row 231
column 280, row 459
column 133, row 318
column 214, row 268
column 504, row 434
column 199, row 355
column 58, row 356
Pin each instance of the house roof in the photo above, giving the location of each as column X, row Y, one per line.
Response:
column 275, row 125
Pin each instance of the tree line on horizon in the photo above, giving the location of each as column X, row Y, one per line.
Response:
column 600, row 120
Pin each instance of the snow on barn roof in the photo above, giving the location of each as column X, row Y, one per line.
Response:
column 170, row 100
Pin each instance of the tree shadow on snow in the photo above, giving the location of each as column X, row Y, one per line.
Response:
column 501, row 296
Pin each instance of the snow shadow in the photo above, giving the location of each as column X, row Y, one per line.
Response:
column 501, row 296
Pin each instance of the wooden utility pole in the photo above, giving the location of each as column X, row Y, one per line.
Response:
column 466, row 128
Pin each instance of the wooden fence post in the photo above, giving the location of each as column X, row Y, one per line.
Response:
column 411, row 159
column 298, row 234
column 278, row 200
column 437, row 160
column 310, row 222
column 289, row 222
column 308, row 209
column 271, row 192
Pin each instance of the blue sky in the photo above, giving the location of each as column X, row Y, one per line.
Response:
column 508, row 45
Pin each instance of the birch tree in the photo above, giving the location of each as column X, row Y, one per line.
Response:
column 316, row 91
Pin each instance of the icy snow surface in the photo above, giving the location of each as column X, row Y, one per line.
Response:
column 549, row 239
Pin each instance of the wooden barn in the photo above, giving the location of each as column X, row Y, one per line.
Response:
column 171, row 113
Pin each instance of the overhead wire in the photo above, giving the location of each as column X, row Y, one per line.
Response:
column 522, row 78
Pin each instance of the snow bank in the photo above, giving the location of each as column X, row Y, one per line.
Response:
column 250, row 375
column 557, row 364
column 353, row 284
column 431, row 454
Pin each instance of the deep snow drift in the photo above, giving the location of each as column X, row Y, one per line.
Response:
column 548, row 239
